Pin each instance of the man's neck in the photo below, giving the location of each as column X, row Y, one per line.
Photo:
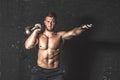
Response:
column 48, row 33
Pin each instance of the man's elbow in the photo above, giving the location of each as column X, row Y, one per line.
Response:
column 28, row 46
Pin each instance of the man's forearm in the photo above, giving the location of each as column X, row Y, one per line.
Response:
column 76, row 31
column 82, row 28
column 31, row 40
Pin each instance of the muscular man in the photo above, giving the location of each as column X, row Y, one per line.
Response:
column 49, row 43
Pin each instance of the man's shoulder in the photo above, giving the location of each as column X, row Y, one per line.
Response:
column 41, row 34
column 61, row 32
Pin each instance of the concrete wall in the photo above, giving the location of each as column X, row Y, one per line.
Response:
column 93, row 55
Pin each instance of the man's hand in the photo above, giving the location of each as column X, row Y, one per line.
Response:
column 37, row 26
column 86, row 26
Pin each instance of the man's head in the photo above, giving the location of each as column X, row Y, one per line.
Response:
column 50, row 21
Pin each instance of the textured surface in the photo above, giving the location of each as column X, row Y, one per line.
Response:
column 94, row 55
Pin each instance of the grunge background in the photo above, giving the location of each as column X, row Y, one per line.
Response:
column 93, row 55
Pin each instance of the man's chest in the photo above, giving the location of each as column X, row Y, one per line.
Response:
column 52, row 42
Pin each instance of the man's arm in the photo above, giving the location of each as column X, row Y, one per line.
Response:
column 32, row 40
column 76, row 31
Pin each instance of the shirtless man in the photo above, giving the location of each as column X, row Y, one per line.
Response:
column 49, row 43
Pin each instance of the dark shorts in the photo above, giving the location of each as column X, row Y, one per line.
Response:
column 39, row 73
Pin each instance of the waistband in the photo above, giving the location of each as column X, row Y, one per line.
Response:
column 46, row 70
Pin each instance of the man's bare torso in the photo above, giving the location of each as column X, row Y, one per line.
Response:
column 49, row 50
column 50, row 42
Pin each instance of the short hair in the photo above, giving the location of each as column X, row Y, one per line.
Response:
column 52, row 14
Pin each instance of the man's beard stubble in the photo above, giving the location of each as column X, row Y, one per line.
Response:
column 50, row 30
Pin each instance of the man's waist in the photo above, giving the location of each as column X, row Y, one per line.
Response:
column 47, row 65
column 46, row 70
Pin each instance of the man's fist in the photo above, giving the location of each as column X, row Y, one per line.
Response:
column 37, row 26
column 86, row 26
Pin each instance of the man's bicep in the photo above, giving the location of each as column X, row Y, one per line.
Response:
column 67, row 35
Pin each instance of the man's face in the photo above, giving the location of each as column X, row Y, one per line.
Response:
column 49, row 23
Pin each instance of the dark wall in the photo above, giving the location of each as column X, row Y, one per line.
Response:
column 93, row 55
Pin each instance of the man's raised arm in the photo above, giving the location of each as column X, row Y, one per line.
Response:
column 32, row 40
column 76, row 31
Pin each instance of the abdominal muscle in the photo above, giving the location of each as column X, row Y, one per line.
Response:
column 48, row 58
